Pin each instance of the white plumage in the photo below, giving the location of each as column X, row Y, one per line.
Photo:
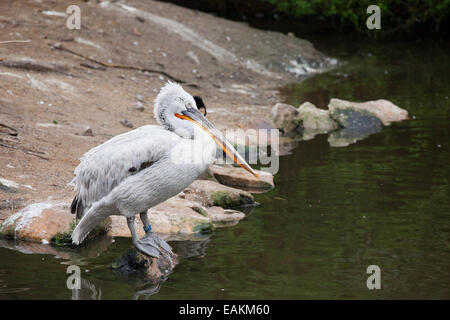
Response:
column 136, row 170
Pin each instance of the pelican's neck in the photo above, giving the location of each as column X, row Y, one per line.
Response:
column 205, row 145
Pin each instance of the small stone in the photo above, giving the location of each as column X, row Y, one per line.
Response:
column 139, row 97
column 139, row 106
column 192, row 56
column 87, row 132
column 126, row 123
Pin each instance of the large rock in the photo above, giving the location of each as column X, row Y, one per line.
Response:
column 238, row 177
column 365, row 114
column 315, row 119
column 45, row 222
column 39, row 222
column 285, row 117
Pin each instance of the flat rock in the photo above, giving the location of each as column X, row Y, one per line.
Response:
column 285, row 117
column 210, row 193
column 345, row 112
column 238, row 177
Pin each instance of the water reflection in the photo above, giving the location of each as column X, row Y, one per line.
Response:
column 347, row 136
column 87, row 291
column 94, row 258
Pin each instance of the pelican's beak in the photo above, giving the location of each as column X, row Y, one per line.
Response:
column 197, row 117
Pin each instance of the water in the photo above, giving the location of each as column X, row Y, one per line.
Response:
column 383, row 200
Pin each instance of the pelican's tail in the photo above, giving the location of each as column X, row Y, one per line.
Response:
column 95, row 215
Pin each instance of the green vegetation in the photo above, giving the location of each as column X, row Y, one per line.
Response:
column 395, row 14
column 64, row 238
column 227, row 200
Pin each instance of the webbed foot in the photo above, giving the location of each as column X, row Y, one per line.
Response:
column 152, row 245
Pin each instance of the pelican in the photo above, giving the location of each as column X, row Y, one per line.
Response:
column 139, row 169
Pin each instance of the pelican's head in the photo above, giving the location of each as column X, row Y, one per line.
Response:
column 176, row 110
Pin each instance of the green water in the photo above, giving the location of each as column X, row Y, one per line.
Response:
column 334, row 211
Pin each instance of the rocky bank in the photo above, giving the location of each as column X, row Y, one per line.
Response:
column 64, row 91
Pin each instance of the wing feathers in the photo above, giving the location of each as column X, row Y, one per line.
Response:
column 104, row 167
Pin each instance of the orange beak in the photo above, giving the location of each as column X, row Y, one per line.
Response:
column 197, row 117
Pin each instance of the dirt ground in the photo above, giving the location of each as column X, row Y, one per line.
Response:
column 49, row 97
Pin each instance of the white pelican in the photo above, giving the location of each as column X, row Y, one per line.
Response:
column 139, row 169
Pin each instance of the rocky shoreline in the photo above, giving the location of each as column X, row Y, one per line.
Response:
column 64, row 91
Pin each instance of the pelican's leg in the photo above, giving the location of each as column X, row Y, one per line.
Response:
column 131, row 226
column 145, row 222
column 146, row 248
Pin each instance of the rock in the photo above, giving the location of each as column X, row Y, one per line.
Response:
column 8, row 186
column 210, row 193
column 346, row 112
column 154, row 270
column 314, row 119
column 139, row 97
column 193, row 57
column 126, row 123
column 238, row 177
column 38, row 222
column 87, row 132
column 356, row 119
column 139, row 106
column 220, row 216
column 44, row 222
column 285, row 117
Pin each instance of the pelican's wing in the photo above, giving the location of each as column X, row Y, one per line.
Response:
column 102, row 168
